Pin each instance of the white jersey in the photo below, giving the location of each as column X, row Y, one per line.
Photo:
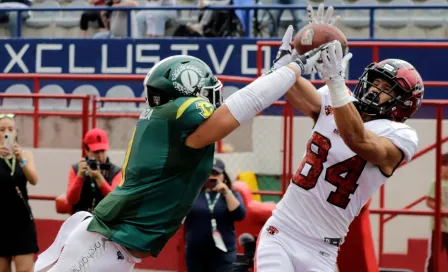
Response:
column 332, row 183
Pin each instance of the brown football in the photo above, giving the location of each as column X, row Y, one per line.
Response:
column 314, row 35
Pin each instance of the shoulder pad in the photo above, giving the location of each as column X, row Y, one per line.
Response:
column 196, row 106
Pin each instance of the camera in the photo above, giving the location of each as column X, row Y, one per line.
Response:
column 245, row 262
column 210, row 184
column 93, row 164
column 96, row 165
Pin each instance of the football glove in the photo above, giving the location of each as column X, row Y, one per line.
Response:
column 286, row 53
column 305, row 64
column 320, row 18
column 333, row 63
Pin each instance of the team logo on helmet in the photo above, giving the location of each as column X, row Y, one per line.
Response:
column 187, row 79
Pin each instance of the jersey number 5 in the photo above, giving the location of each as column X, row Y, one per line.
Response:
column 342, row 175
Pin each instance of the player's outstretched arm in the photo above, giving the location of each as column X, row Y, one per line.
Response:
column 302, row 94
column 252, row 99
column 243, row 105
column 380, row 151
column 304, row 97
column 216, row 127
column 377, row 150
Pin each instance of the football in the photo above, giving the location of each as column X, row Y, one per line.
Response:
column 314, row 35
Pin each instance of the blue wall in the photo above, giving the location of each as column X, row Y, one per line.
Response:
column 225, row 56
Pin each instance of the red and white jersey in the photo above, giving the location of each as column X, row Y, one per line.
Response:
column 332, row 183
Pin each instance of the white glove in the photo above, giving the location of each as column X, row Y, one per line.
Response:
column 286, row 53
column 320, row 66
column 304, row 65
column 333, row 65
column 333, row 72
column 320, row 18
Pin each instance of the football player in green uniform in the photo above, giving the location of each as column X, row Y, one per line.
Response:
column 169, row 158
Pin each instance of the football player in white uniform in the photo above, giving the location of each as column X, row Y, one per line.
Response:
column 357, row 142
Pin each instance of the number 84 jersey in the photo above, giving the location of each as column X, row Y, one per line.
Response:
column 332, row 183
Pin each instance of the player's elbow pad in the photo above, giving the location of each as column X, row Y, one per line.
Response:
column 260, row 94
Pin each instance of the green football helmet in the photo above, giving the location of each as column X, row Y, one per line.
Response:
column 180, row 76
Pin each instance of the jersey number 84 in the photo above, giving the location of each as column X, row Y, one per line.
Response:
column 342, row 175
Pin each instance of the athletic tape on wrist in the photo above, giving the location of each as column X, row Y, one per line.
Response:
column 338, row 93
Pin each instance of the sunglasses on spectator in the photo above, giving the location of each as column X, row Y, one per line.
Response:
column 7, row 115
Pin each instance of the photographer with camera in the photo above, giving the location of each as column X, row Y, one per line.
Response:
column 210, row 226
column 94, row 176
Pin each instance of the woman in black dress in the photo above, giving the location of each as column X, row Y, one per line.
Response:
column 18, row 239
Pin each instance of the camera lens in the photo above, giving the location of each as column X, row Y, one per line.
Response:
column 93, row 164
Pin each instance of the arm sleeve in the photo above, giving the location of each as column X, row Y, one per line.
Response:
column 74, row 187
column 260, row 94
column 239, row 213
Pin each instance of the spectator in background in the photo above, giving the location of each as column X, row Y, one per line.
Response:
column 93, row 177
column 151, row 23
column 277, row 13
column 244, row 16
column 10, row 17
column 213, row 23
column 116, row 21
column 91, row 16
column 18, row 237
column 431, row 203
column 209, row 227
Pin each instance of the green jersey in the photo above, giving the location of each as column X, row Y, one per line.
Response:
column 161, row 178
